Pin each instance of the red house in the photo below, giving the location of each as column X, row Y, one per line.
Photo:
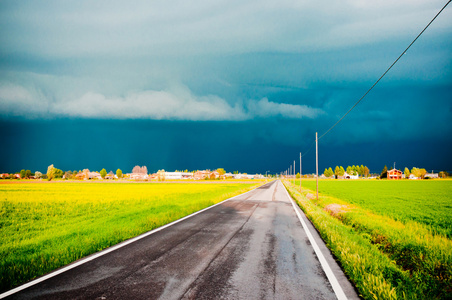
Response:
column 395, row 174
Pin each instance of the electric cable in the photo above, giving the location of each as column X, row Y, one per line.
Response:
column 400, row 56
column 381, row 77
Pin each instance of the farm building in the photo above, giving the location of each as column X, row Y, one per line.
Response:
column 395, row 174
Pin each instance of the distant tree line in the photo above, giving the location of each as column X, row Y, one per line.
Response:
column 351, row 170
column 417, row 172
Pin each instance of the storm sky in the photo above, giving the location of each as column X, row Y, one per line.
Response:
column 242, row 85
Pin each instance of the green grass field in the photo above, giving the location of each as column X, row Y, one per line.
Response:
column 44, row 226
column 393, row 238
column 428, row 202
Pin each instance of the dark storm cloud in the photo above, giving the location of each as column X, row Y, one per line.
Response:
column 283, row 70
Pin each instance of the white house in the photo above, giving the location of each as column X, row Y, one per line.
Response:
column 248, row 176
column 178, row 175
column 431, row 175
column 349, row 176
column 138, row 176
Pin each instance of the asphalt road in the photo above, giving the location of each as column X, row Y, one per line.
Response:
column 249, row 247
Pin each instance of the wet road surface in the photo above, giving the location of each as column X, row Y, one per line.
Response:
column 250, row 247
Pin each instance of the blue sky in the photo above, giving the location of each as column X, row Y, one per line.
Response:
column 242, row 85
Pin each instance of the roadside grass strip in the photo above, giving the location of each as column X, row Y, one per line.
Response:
column 384, row 258
column 46, row 226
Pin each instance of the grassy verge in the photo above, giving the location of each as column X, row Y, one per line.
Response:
column 46, row 226
column 384, row 258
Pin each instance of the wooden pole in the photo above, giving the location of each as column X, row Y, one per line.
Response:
column 301, row 173
column 317, row 163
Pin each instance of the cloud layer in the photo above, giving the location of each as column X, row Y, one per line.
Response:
column 177, row 104
column 84, row 28
column 275, row 62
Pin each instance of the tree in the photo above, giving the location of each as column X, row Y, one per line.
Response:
column 86, row 173
column 416, row 172
column 67, row 174
column 119, row 173
column 339, row 171
column 103, row 173
column 366, row 171
column 406, row 172
column 22, row 174
column 298, row 175
column 58, row 173
column 443, row 174
column 328, row 172
column 349, row 170
column 221, row 171
column 353, row 170
column 50, row 172
column 361, row 170
column 138, row 170
column 38, row 175
column 384, row 173
column 422, row 173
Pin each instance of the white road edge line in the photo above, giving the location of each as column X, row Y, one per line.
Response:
column 108, row 250
column 326, row 267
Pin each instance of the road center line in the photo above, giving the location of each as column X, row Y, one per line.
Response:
column 326, row 267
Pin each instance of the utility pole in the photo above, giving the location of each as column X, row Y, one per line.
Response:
column 290, row 168
column 294, row 176
column 300, row 172
column 317, row 163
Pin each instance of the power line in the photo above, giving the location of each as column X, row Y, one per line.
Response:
column 385, row 71
column 376, row 82
column 309, row 149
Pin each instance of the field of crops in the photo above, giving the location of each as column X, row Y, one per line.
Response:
column 46, row 225
column 393, row 238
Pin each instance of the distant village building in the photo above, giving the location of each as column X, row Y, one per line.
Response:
column 138, row 176
column 94, row 175
column 431, row 175
column 395, row 174
column 200, row 175
column 248, row 176
column 111, row 176
column 412, row 177
column 139, row 173
column 350, row 176
column 178, row 175
column 161, row 175
column 87, row 175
